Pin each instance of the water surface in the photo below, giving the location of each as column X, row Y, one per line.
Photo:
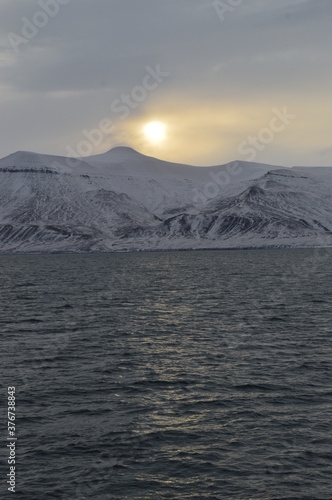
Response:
column 170, row 375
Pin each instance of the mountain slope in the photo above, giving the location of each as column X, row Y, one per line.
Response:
column 124, row 200
column 163, row 186
column 282, row 208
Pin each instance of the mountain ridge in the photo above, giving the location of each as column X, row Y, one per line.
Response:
column 123, row 200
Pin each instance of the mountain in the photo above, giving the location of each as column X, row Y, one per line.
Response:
column 123, row 200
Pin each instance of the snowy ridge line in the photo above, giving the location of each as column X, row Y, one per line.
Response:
column 122, row 200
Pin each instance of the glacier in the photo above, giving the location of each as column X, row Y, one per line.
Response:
column 125, row 201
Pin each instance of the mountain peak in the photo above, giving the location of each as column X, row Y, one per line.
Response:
column 123, row 149
column 21, row 159
column 117, row 154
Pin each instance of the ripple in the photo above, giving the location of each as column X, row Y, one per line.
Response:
column 170, row 375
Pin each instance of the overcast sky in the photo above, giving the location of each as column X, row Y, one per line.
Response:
column 215, row 76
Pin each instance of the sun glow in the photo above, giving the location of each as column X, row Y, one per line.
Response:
column 155, row 132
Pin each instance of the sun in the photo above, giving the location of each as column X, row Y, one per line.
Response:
column 155, row 132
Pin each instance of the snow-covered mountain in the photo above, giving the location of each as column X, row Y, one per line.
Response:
column 122, row 200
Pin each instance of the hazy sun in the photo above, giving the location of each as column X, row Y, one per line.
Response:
column 155, row 131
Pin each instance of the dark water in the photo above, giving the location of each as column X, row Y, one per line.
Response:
column 169, row 375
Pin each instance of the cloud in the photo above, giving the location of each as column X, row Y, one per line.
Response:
column 264, row 54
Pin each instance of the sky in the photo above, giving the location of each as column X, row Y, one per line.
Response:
column 193, row 81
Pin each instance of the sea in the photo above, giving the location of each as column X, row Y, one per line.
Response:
column 185, row 375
